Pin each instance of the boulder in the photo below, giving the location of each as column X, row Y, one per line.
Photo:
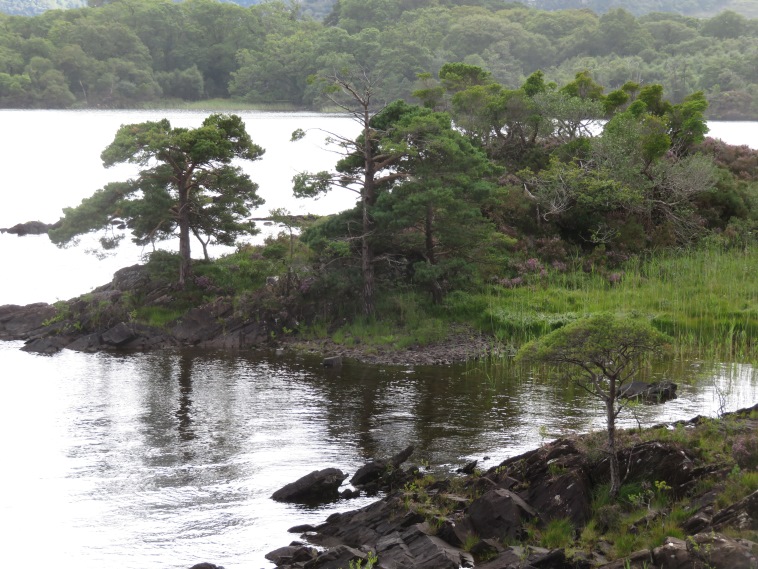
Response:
column 119, row 335
column 318, row 486
column 659, row 392
column 374, row 470
column 292, row 554
column 499, row 514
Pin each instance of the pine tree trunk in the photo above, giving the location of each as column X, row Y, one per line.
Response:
column 185, row 266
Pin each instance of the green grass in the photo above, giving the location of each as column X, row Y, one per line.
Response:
column 158, row 316
column 707, row 299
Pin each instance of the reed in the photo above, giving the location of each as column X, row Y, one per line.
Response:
column 706, row 299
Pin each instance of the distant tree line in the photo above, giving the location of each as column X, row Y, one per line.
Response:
column 126, row 53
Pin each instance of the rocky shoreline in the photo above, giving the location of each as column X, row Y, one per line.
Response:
column 103, row 320
column 489, row 520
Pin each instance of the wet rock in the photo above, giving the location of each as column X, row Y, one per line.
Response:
column 332, row 361
column 206, row 565
column 318, row 486
column 377, row 469
column 292, row 554
column 303, row 528
column 48, row 346
column 119, row 335
column 659, row 392
column 469, row 467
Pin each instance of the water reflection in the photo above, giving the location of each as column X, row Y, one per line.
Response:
column 169, row 458
column 184, row 411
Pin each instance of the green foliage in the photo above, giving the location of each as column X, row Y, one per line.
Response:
column 558, row 533
column 129, row 54
column 188, row 184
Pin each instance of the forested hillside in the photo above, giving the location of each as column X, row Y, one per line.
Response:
column 131, row 52
column 319, row 9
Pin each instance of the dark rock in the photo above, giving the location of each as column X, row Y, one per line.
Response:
column 554, row 559
column 722, row 552
column 377, row 469
column 347, row 494
column 641, row 559
column 659, row 392
column 509, row 559
column 711, row 550
column 292, row 554
column 469, row 467
column 654, row 461
column 740, row 515
column 415, row 548
column 202, row 324
column 89, row 343
column 568, row 495
column 135, row 277
column 332, row 361
column 28, row 228
column 485, row 549
column 119, row 335
column 48, row 346
column 336, row 558
column 206, row 565
column 319, row 485
column 303, row 528
column 499, row 514
column 19, row 322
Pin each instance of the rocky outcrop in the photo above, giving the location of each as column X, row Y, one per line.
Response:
column 29, row 228
column 377, row 474
column 468, row 521
column 318, row 486
column 20, row 322
column 103, row 320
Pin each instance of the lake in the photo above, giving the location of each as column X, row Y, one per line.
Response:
column 167, row 459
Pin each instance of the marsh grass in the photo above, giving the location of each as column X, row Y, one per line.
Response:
column 706, row 299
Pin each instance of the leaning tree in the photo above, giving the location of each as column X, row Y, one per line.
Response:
column 188, row 185
column 603, row 352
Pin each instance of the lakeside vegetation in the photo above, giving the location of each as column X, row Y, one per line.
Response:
column 484, row 206
column 647, row 512
column 160, row 50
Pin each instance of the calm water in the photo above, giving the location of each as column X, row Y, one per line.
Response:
column 167, row 459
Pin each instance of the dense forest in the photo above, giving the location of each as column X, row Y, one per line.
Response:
column 129, row 53
column 321, row 8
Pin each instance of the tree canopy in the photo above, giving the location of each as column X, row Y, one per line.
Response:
column 602, row 353
column 122, row 53
column 187, row 185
